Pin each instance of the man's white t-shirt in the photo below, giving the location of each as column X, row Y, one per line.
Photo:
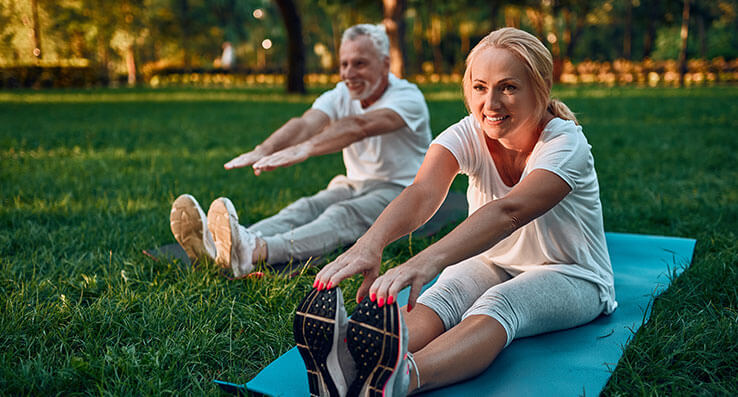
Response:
column 569, row 238
column 392, row 157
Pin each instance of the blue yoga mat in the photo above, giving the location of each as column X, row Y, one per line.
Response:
column 576, row 361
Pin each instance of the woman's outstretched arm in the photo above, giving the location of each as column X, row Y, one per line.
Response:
column 408, row 211
column 537, row 193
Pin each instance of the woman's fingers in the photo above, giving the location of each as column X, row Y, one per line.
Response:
column 363, row 291
column 387, row 287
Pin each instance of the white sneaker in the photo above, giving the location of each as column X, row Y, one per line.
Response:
column 320, row 333
column 234, row 244
column 377, row 340
column 190, row 229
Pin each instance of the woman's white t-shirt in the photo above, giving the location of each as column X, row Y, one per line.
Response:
column 569, row 238
column 392, row 157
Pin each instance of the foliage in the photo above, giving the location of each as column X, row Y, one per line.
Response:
column 438, row 35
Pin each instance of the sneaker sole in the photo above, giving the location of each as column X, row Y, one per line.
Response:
column 187, row 221
column 315, row 330
column 374, row 341
column 221, row 224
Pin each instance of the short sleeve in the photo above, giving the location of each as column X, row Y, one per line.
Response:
column 328, row 102
column 460, row 139
column 565, row 152
column 408, row 102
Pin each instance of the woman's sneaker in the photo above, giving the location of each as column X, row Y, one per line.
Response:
column 377, row 340
column 234, row 244
column 320, row 333
column 190, row 228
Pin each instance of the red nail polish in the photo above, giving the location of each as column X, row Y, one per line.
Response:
column 315, row 283
column 373, row 297
column 359, row 300
column 390, row 300
column 381, row 302
column 321, row 286
column 409, row 307
column 329, row 286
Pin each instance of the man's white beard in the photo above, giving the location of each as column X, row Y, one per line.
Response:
column 367, row 91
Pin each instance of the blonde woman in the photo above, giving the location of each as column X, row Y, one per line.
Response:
column 530, row 258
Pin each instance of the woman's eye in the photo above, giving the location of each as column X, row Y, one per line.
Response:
column 508, row 88
column 478, row 88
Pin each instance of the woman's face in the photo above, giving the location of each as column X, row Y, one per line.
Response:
column 502, row 99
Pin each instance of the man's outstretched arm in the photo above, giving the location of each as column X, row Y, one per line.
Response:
column 334, row 137
column 293, row 132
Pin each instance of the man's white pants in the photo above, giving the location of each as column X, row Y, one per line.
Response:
column 332, row 218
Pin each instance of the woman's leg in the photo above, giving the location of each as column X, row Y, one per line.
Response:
column 531, row 303
column 460, row 353
column 441, row 308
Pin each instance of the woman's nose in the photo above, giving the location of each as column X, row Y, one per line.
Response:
column 493, row 100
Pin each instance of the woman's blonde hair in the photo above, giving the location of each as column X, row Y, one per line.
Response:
column 537, row 61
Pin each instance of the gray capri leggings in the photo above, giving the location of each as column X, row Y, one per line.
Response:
column 529, row 303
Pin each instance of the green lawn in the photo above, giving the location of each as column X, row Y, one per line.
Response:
column 87, row 179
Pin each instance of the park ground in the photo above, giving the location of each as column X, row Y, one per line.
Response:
column 87, row 179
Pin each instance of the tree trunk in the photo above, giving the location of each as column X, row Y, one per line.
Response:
column 684, row 36
column 394, row 23
column 555, row 40
column 184, row 9
column 295, row 46
column 131, row 65
column 628, row 29
column 494, row 9
column 701, row 35
column 36, row 34
column 536, row 19
column 435, row 41
column 650, row 34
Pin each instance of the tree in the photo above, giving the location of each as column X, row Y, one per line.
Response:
column 295, row 46
column 684, row 34
column 394, row 23
column 36, row 35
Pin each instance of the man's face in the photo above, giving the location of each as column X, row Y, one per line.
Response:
column 363, row 69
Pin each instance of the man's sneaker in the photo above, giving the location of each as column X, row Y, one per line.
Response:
column 233, row 243
column 190, row 228
column 320, row 333
column 377, row 340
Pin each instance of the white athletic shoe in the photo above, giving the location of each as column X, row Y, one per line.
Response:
column 190, row 228
column 319, row 328
column 377, row 340
column 234, row 244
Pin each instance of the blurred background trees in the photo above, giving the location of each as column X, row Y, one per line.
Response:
column 129, row 41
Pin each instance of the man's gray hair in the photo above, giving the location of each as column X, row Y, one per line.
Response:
column 376, row 33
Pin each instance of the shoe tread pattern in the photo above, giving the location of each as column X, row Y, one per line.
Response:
column 186, row 224
column 313, row 329
column 374, row 342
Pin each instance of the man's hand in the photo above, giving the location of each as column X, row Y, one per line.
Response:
column 245, row 159
column 283, row 158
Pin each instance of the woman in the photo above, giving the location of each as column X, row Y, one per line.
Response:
column 531, row 256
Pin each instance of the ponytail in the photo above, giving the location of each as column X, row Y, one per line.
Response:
column 560, row 110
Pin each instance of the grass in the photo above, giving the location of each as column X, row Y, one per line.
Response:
column 87, row 179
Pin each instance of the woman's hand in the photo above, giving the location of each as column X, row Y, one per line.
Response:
column 411, row 273
column 360, row 258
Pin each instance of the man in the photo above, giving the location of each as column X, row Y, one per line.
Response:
column 381, row 124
